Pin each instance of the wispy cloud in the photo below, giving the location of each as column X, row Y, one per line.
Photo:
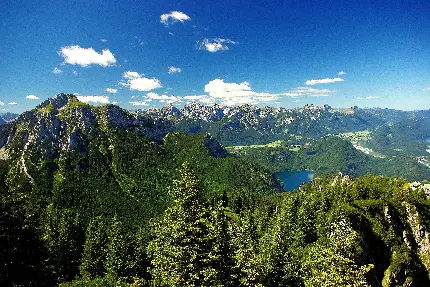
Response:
column 341, row 73
column 138, row 82
column 94, row 99
column 367, row 98
column 32, row 97
column 199, row 98
column 308, row 92
column 84, row 57
column 323, row 81
column 111, row 90
column 1, row 103
column 215, row 45
column 426, row 89
column 56, row 71
column 173, row 70
column 173, row 17
column 12, row 103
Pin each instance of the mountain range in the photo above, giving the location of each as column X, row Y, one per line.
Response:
column 101, row 196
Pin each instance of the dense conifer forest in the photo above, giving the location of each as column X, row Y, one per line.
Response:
column 90, row 196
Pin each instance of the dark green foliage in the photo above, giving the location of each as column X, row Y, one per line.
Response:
column 105, row 212
column 331, row 155
column 190, row 242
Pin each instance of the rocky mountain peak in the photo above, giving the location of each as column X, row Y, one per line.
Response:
column 58, row 101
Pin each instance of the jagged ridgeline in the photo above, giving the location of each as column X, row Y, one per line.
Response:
column 98, row 196
column 66, row 163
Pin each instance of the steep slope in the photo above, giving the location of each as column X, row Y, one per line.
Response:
column 67, row 163
column 64, row 138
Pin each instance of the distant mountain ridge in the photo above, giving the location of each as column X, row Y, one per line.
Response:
column 248, row 124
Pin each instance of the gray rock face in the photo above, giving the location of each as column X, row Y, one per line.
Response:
column 64, row 124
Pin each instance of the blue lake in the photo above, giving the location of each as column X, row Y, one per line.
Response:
column 292, row 179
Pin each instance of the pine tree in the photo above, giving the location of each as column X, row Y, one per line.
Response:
column 94, row 254
column 186, row 248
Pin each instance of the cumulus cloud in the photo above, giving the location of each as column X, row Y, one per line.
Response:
column 138, row 82
column 308, row 92
column 84, row 57
column 323, row 81
column 56, row 71
column 94, row 99
column 162, row 98
column 12, row 103
column 173, row 17
column 139, row 103
column 341, row 73
column 236, row 94
column 173, row 70
column 32, row 97
column 214, row 45
column 1, row 103
column 111, row 90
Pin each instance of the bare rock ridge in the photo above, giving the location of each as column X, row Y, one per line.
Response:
column 63, row 123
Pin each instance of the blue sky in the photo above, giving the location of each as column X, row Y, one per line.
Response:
column 140, row 54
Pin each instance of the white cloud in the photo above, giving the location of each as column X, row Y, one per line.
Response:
column 162, row 98
column 173, row 17
column 84, row 57
column 138, row 82
column 131, row 75
column 200, row 98
column 308, row 92
column 173, row 70
column 426, row 89
column 236, row 94
column 56, row 71
column 74, row 73
column 341, row 73
column 1, row 103
column 371, row 97
column 94, row 99
column 114, row 103
column 103, row 40
column 111, row 90
column 139, row 103
column 12, row 103
column 32, row 97
column 323, row 81
column 214, row 45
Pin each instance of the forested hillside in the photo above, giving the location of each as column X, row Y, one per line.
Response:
column 330, row 155
column 97, row 196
